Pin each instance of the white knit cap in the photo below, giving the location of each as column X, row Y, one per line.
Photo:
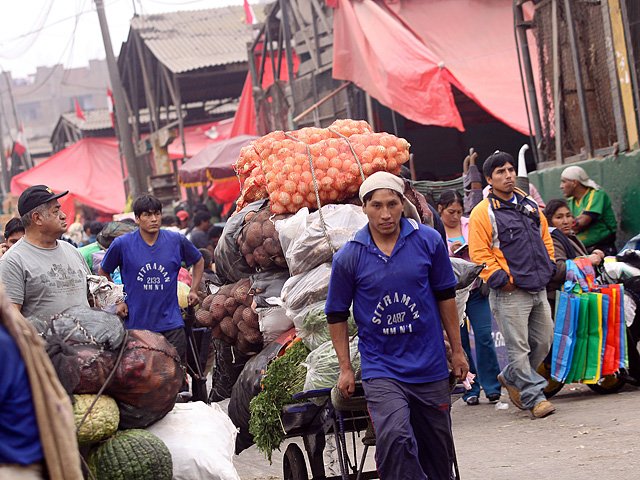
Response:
column 579, row 175
column 387, row 180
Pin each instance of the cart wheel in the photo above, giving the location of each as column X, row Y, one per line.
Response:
column 293, row 464
column 609, row 384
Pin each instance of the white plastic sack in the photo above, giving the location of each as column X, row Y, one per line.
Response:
column 273, row 323
column 322, row 365
column 290, row 228
column 312, row 327
column 629, row 310
column 461, row 303
column 105, row 294
column 201, row 439
column 302, row 290
column 309, row 247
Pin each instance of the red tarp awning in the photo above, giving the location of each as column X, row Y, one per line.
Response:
column 408, row 53
column 375, row 51
column 213, row 162
column 197, row 137
column 90, row 169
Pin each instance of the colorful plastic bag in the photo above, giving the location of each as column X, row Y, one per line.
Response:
column 594, row 339
column 564, row 335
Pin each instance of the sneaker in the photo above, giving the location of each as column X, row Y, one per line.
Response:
column 493, row 397
column 542, row 409
column 514, row 393
column 472, row 400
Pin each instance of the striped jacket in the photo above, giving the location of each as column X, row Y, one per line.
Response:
column 515, row 247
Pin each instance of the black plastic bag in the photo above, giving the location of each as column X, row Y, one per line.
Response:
column 230, row 263
column 267, row 284
column 246, row 387
column 228, row 365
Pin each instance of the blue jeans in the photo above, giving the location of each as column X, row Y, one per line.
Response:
column 486, row 365
column 525, row 321
column 413, row 428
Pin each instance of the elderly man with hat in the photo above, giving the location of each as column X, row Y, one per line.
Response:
column 397, row 275
column 41, row 274
column 595, row 223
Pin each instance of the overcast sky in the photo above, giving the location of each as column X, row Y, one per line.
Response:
column 47, row 32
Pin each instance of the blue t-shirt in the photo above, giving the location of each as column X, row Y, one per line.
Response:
column 19, row 433
column 150, row 277
column 399, row 325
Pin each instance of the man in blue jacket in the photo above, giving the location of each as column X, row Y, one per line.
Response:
column 397, row 275
column 509, row 236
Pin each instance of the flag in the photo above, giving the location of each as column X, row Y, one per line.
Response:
column 19, row 145
column 79, row 112
column 250, row 17
column 19, row 149
column 110, row 104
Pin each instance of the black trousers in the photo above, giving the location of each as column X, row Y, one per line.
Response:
column 178, row 338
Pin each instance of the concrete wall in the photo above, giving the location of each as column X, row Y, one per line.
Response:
column 619, row 176
column 51, row 91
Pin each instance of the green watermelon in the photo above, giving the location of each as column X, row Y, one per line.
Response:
column 131, row 455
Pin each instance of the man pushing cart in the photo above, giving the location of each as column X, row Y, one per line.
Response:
column 397, row 275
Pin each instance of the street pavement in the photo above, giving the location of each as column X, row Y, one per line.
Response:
column 590, row 436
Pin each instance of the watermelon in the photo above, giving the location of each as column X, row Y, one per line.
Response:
column 131, row 455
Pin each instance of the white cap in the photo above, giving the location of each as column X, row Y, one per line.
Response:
column 387, row 180
column 579, row 175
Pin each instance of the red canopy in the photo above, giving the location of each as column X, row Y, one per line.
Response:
column 213, row 162
column 197, row 137
column 408, row 53
column 92, row 172
column 90, row 169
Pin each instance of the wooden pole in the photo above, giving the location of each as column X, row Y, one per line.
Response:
column 616, row 100
column 137, row 184
column 522, row 43
column 624, row 74
column 577, row 70
column 557, row 107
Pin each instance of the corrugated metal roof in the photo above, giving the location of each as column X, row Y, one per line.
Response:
column 98, row 119
column 190, row 40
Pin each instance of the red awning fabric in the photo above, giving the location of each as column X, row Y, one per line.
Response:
column 408, row 53
column 213, row 162
column 90, row 169
column 92, row 172
column 197, row 137
column 244, row 121
column 374, row 50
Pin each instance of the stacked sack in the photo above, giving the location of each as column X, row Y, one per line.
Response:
column 229, row 313
column 297, row 169
column 88, row 347
column 259, row 242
